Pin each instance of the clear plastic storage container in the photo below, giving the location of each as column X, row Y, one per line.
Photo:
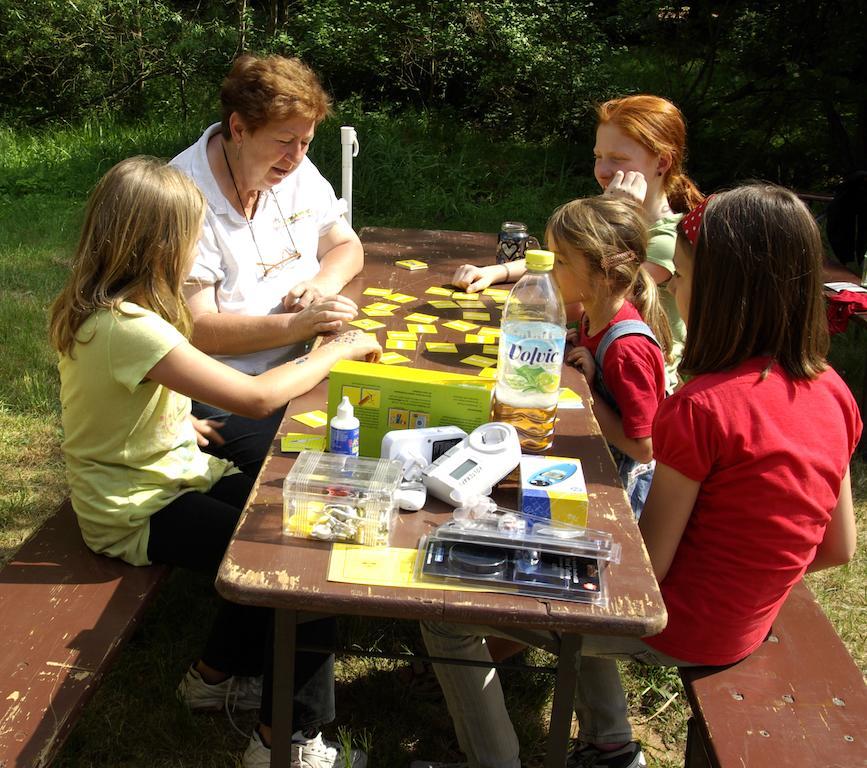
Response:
column 333, row 497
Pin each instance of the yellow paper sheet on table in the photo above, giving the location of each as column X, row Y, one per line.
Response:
column 312, row 418
column 421, row 317
column 460, row 325
column 293, row 442
column 443, row 303
column 393, row 358
column 400, row 298
column 471, row 304
column 465, row 296
column 569, row 399
column 441, row 346
column 377, row 291
column 411, row 264
column 366, row 324
column 383, row 306
column 422, row 328
column 477, row 315
column 404, row 344
column 488, row 373
column 479, row 361
column 477, row 338
column 436, row 290
column 404, row 335
column 489, row 330
column 491, row 349
column 379, row 566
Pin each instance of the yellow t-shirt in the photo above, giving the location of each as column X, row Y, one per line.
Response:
column 129, row 446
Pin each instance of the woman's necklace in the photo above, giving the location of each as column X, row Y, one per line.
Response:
column 289, row 254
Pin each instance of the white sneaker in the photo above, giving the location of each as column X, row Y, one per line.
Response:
column 234, row 693
column 306, row 753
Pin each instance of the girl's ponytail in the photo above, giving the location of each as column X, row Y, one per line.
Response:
column 645, row 298
column 683, row 195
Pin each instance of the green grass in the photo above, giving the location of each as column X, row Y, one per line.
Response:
column 413, row 171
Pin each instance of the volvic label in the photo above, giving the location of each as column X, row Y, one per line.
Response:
column 531, row 365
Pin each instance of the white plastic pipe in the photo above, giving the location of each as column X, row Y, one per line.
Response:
column 349, row 149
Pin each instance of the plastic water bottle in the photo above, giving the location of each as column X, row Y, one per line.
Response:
column 343, row 430
column 531, row 355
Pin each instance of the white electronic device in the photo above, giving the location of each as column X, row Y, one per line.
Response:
column 475, row 465
column 418, row 448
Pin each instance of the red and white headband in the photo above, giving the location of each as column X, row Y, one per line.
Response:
column 691, row 222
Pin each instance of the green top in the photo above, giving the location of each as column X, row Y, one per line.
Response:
column 129, row 446
column 660, row 250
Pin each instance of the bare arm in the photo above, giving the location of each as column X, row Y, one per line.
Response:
column 472, row 279
column 187, row 370
column 669, row 504
column 659, row 274
column 341, row 257
column 638, row 448
column 841, row 534
column 221, row 333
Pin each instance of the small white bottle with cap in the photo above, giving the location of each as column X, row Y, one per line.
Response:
column 343, row 430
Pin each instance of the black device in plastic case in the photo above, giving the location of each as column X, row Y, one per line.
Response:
column 551, row 561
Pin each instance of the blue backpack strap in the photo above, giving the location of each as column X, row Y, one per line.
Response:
column 618, row 330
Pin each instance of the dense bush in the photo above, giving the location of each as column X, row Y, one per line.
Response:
column 770, row 89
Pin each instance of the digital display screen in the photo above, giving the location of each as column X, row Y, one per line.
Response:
column 460, row 471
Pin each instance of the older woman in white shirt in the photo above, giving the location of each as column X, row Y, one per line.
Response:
column 275, row 250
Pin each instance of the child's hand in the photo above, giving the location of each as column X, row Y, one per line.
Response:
column 572, row 336
column 581, row 358
column 358, row 346
column 472, row 279
column 206, row 431
column 631, row 186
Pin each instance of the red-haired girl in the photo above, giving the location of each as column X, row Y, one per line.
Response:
column 639, row 154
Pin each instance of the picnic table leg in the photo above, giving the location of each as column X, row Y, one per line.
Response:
column 564, row 699
column 285, row 622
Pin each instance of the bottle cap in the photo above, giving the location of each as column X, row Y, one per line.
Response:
column 344, row 410
column 539, row 260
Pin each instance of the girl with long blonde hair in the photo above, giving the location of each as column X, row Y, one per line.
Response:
column 142, row 489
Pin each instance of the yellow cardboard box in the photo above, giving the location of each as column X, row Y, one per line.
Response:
column 385, row 398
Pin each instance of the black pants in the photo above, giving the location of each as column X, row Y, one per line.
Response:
column 247, row 440
column 193, row 532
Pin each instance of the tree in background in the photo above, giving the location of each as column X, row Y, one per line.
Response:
column 772, row 89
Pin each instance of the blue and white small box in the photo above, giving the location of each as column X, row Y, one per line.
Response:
column 553, row 488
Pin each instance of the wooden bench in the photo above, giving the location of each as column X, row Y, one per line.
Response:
column 65, row 613
column 799, row 700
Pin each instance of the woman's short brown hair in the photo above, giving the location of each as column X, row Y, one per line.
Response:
column 757, row 284
column 272, row 88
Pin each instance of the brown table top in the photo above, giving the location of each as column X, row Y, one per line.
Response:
column 264, row 567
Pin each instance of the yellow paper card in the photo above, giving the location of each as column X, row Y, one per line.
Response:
column 366, row 324
column 377, row 291
column 312, row 418
column 495, row 292
column 436, row 290
column 405, row 335
column 400, row 344
column 393, row 358
column 477, row 338
column 489, row 330
column 379, row 566
column 377, row 312
column 569, row 399
column 421, row 317
column 471, row 304
column 491, row 349
column 466, row 296
column 421, row 327
column 488, row 373
column 477, row 315
column 441, row 346
column 479, row 360
column 443, row 303
column 293, row 442
column 383, row 306
column 461, row 325
column 411, row 264
column 400, row 298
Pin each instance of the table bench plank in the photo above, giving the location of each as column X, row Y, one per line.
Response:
column 64, row 615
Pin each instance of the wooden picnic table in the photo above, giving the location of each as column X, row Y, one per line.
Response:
column 262, row 566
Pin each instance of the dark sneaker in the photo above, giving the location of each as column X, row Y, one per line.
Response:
column 587, row 756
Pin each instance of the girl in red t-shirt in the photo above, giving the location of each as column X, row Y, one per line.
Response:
column 752, row 479
column 623, row 336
